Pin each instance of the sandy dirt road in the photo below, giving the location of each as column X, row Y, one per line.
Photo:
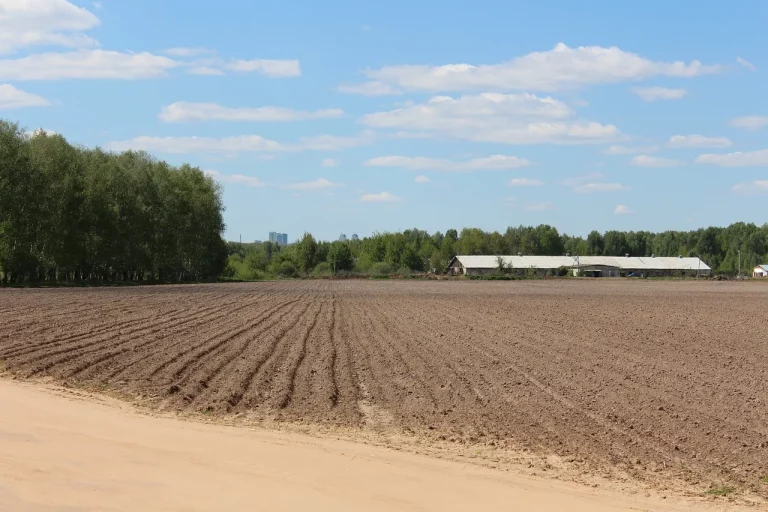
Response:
column 62, row 451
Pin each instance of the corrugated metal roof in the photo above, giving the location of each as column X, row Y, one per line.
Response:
column 630, row 263
column 764, row 267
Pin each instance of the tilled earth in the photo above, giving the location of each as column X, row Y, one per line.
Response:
column 650, row 378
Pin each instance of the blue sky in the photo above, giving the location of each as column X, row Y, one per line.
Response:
column 340, row 116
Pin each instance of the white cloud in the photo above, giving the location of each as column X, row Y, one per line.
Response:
column 630, row 150
column 421, row 179
column 237, row 179
column 540, row 207
column 418, row 163
column 698, row 141
column 183, row 111
column 329, row 162
column 333, row 142
column 98, row 5
column 589, row 188
column 556, row 69
column 237, row 144
column 318, row 184
column 495, row 117
column 738, row 159
column 11, row 97
column 28, row 23
column 622, row 210
column 373, row 88
column 205, row 71
column 188, row 52
column 746, row 64
column 381, row 197
column 525, row 182
column 749, row 122
column 578, row 180
column 654, row 161
column 659, row 93
column 753, row 188
column 273, row 68
column 86, row 64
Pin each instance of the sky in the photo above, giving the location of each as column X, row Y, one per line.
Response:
column 359, row 117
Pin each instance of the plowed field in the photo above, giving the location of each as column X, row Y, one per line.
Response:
column 652, row 378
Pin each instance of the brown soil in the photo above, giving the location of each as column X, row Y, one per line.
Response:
column 654, row 381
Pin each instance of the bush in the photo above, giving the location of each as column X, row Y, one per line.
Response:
column 286, row 269
column 322, row 269
column 381, row 269
column 562, row 271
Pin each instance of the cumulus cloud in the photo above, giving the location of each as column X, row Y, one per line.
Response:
column 630, row 150
column 373, row 88
column 421, row 179
column 738, row 159
column 329, row 162
column 381, row 197
column 188, row 52
column 579, row 180
column 495, row 117
column 11, row 97
column 205, row 71
column 272, row 68
column 237, row 179
column 622, row 210
column 589, row 188
column 93, row 64
column 493, row 162
column 44, row 23
column 560, row 68
column 318, row 184
column 753, row 123
column 654, row 161
column 237, row 144
column 752, row 188
column 659, row 93
column 525, row 182
column 183, row 111
column 745, row 63
column 698, row 141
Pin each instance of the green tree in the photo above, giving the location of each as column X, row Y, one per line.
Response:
column 306, row 253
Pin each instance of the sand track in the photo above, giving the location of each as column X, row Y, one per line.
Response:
column 645, row 380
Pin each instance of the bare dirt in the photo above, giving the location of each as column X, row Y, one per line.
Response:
column 662, row 383
column 60, row 450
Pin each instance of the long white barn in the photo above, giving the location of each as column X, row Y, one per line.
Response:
column 598, row 266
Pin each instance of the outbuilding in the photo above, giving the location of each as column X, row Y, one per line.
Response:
column 592, row 266
column 760, row 271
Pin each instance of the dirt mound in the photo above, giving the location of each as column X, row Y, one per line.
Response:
column 648, row 380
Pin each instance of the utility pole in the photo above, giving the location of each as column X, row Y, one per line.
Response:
column 739, row 276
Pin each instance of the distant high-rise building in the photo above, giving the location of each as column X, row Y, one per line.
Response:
column 355, row 237
column 278, row 238
column 342, row 238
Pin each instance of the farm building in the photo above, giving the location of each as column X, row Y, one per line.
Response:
column 588, row 266
column 760, row 271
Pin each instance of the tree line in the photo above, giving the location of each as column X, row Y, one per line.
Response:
column 416, row 250
column 69, row 213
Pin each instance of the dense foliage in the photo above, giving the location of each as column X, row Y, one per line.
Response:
column 74, row 214
column 418, row 251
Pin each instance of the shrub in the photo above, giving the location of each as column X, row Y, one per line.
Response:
column 322, row 269
column 381, row 269
column 286, row 269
